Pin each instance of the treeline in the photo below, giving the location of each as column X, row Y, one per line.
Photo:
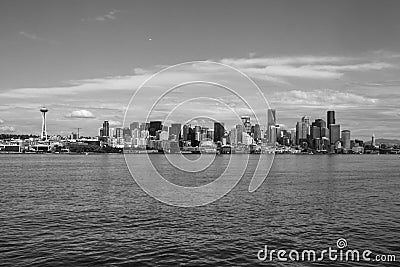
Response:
column 79, row 148
column 17, row 136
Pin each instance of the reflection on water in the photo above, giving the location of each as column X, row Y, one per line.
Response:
column 87, row 210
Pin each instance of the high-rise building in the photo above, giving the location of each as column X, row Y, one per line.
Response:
column 154, row 127
column 346, row 139
column 119, row 133
column 330, row 116
column 185, row 132
column 106, row 128
column 271, row 117
column 233, row 136
column 257, row 132
column 302, row 130
column 175, row 131
column 272, row 134
column 246, row 124
column 197, row 133
column 239, row 131
column 334, row 134
column 219, row 131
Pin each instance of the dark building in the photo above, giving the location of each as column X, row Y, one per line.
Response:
column 154, row 127
column 126, row 132
column 185, row 132
column 219, row 131
column 330, row 116
column 257, row 132
column 106, row 128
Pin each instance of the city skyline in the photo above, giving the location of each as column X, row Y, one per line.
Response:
column 83, row 61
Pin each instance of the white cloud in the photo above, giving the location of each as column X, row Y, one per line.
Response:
column 7, row 129
column 320, row 98
column 310, row 67
column 1, row 121
column 81, row 114
column 35, row 37
column 115, row 123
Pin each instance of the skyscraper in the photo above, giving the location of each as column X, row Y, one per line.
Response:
column 271, row 117
column 154, row 127
column 175, row 131
column 330, row 116
column 219, row 131
column 334, row 132
column 246, row 124
column 257, row 132
column 106, row 128
column 239, row 131
column 346, row 139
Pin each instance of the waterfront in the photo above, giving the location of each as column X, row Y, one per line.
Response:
column 87, row 210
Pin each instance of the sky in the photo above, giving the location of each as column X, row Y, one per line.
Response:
column 85, row 60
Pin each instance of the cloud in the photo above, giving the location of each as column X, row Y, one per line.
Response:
column 310, row 67
column 35, row 37
column 1, row 121
column 110, row 15
column 321, row 98
column 7, row 129
column 115, row 123
column 81, row 114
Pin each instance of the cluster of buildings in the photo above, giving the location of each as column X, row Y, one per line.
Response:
column 318, row 136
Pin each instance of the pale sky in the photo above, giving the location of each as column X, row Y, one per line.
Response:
column 83, row 60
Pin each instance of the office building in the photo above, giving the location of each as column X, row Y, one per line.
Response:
column 346, row 139
column 334, row 132
column 219, row 131
column 330, row 116
column 154, row 127
column 246, row 124
column 106, row 128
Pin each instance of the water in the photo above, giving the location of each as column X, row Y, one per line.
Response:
column 87, row 210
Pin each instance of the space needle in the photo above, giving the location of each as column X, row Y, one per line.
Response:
column 44, row 131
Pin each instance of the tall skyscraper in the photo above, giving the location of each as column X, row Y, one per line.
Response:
column 330, row 116
column 239, row 131
column 185, row 132
column 106, row 128
column 246, row 124
column 175, row 131
column 334, row 133
column 346, row 139
column 271, row 117
column 219, row 131
column 302, row 130
column 154, row 127
column 257, row 132
column 43, row 134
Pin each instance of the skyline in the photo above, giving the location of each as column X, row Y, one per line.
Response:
column 83, row 61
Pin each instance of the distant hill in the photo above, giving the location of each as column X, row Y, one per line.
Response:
column 385, row 141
